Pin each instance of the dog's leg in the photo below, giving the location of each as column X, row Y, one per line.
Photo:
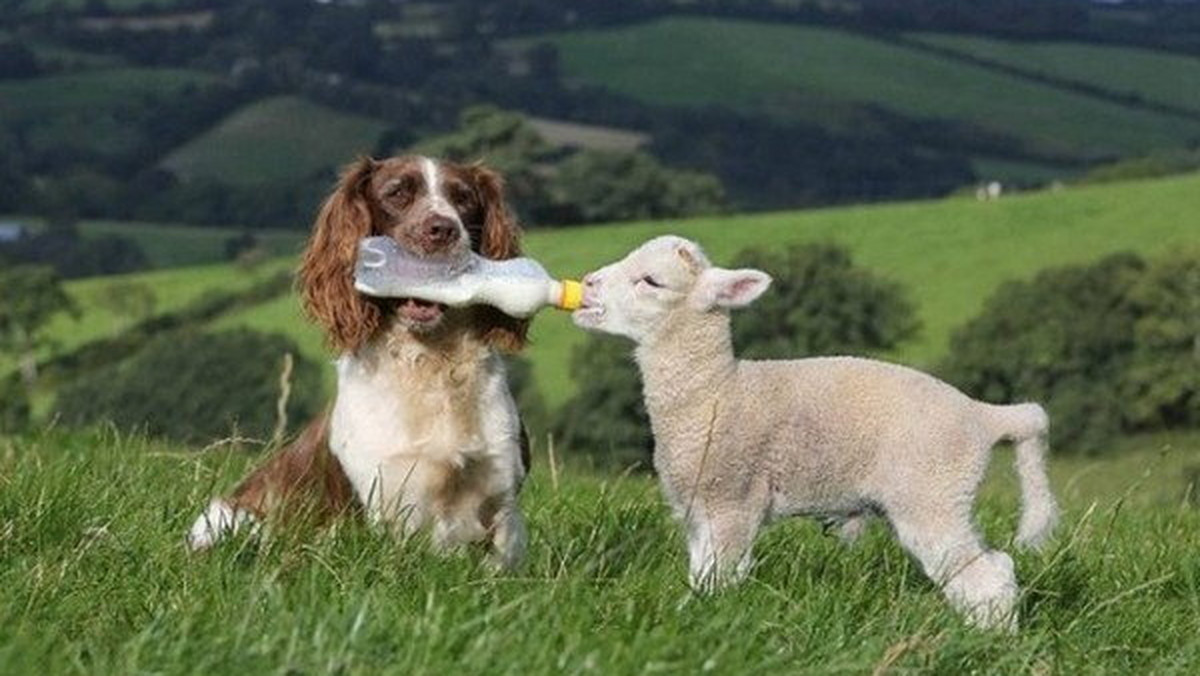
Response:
column 509, row 537
column 303, row 474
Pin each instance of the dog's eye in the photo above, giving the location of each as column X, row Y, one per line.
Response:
column 651, row 281
column 402, row 189
column 460, row 195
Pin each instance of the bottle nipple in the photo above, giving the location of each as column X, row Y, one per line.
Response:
column 572, row 295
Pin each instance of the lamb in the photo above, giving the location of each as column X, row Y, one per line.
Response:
column 741, row 443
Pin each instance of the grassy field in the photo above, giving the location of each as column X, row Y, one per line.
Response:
column 172, row 290
column 1154, row 76
column 277, row 139
column 174, row 246
column 949, row 254
column 759, row 67
column 96, row 580
column 81, row 110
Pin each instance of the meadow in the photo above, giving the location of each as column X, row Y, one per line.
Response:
column 819, row 75
column 97, row 580
column 1155, row 76
column 278, row 139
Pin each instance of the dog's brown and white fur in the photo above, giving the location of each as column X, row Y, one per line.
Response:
column 424, row 431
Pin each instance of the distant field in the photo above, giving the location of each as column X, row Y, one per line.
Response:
column 81, row 110
column 172, row 289
column 96, row 580
column 1161, row 77
column 172, row 246
column 276, row 140
column 92, row 91
column 755, row 66
column 949, row 254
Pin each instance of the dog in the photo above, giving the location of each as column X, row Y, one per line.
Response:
column 424, row 432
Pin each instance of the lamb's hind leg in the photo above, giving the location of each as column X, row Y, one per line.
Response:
column 979, row 583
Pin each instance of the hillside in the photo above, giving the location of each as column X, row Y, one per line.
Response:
column 275, row 140
column 239, row 112
column 949, row 254
column 832, row 78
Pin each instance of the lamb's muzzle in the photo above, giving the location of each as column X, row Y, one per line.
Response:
column 740, row 443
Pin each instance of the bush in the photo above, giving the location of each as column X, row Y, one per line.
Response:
column 196, row 387
column 14, row 406
column 819, row 303
column 1108, row 348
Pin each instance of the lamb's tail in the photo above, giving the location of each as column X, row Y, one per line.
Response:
column 1027, row 426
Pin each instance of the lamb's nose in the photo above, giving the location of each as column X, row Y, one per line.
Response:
column 591, row 280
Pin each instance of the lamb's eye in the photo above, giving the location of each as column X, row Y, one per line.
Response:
column 651, row 281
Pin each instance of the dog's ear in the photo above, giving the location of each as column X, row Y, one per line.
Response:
column 326, row 275
column 501, row 236
column 500, row 239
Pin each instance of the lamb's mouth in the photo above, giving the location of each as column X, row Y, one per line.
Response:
column 588, row 315
column 419, row 312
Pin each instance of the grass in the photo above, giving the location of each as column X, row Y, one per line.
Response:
column 1155, row 76
column 752, row 65
column 96, row 581
column 275, row 140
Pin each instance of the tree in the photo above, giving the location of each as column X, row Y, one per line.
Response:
column 607, row 185
column 30, row 297
column 1109, row 348
column 819, row 303
column 195, row 387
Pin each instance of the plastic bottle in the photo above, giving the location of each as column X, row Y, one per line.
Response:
column 518, row 287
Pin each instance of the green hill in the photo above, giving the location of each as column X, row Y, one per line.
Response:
column 950, row 254
column 1159, row 77
column 817, row 74
column 84, row 110
column 274, row 140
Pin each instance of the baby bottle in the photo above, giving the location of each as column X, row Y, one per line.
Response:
column 518, row 287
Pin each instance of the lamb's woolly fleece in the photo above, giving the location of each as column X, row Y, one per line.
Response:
column 739, row 443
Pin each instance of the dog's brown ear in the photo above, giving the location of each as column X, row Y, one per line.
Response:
column 501, row 236
column 326, row 276
column 500, row 239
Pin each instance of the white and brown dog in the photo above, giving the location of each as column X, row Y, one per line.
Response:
column 423, row 431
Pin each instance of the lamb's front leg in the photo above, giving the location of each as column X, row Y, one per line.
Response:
column 720, row 544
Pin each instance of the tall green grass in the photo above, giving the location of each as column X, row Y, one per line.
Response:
column 96, row 580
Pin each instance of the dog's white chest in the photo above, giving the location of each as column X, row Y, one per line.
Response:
column 393, row 418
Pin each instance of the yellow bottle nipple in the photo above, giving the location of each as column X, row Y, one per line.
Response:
column 572, row 295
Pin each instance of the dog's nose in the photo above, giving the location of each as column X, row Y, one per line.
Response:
column 440, row 230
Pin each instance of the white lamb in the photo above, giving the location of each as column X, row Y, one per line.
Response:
column 741, row 443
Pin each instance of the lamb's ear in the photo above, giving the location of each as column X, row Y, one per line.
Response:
column 718, row 287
